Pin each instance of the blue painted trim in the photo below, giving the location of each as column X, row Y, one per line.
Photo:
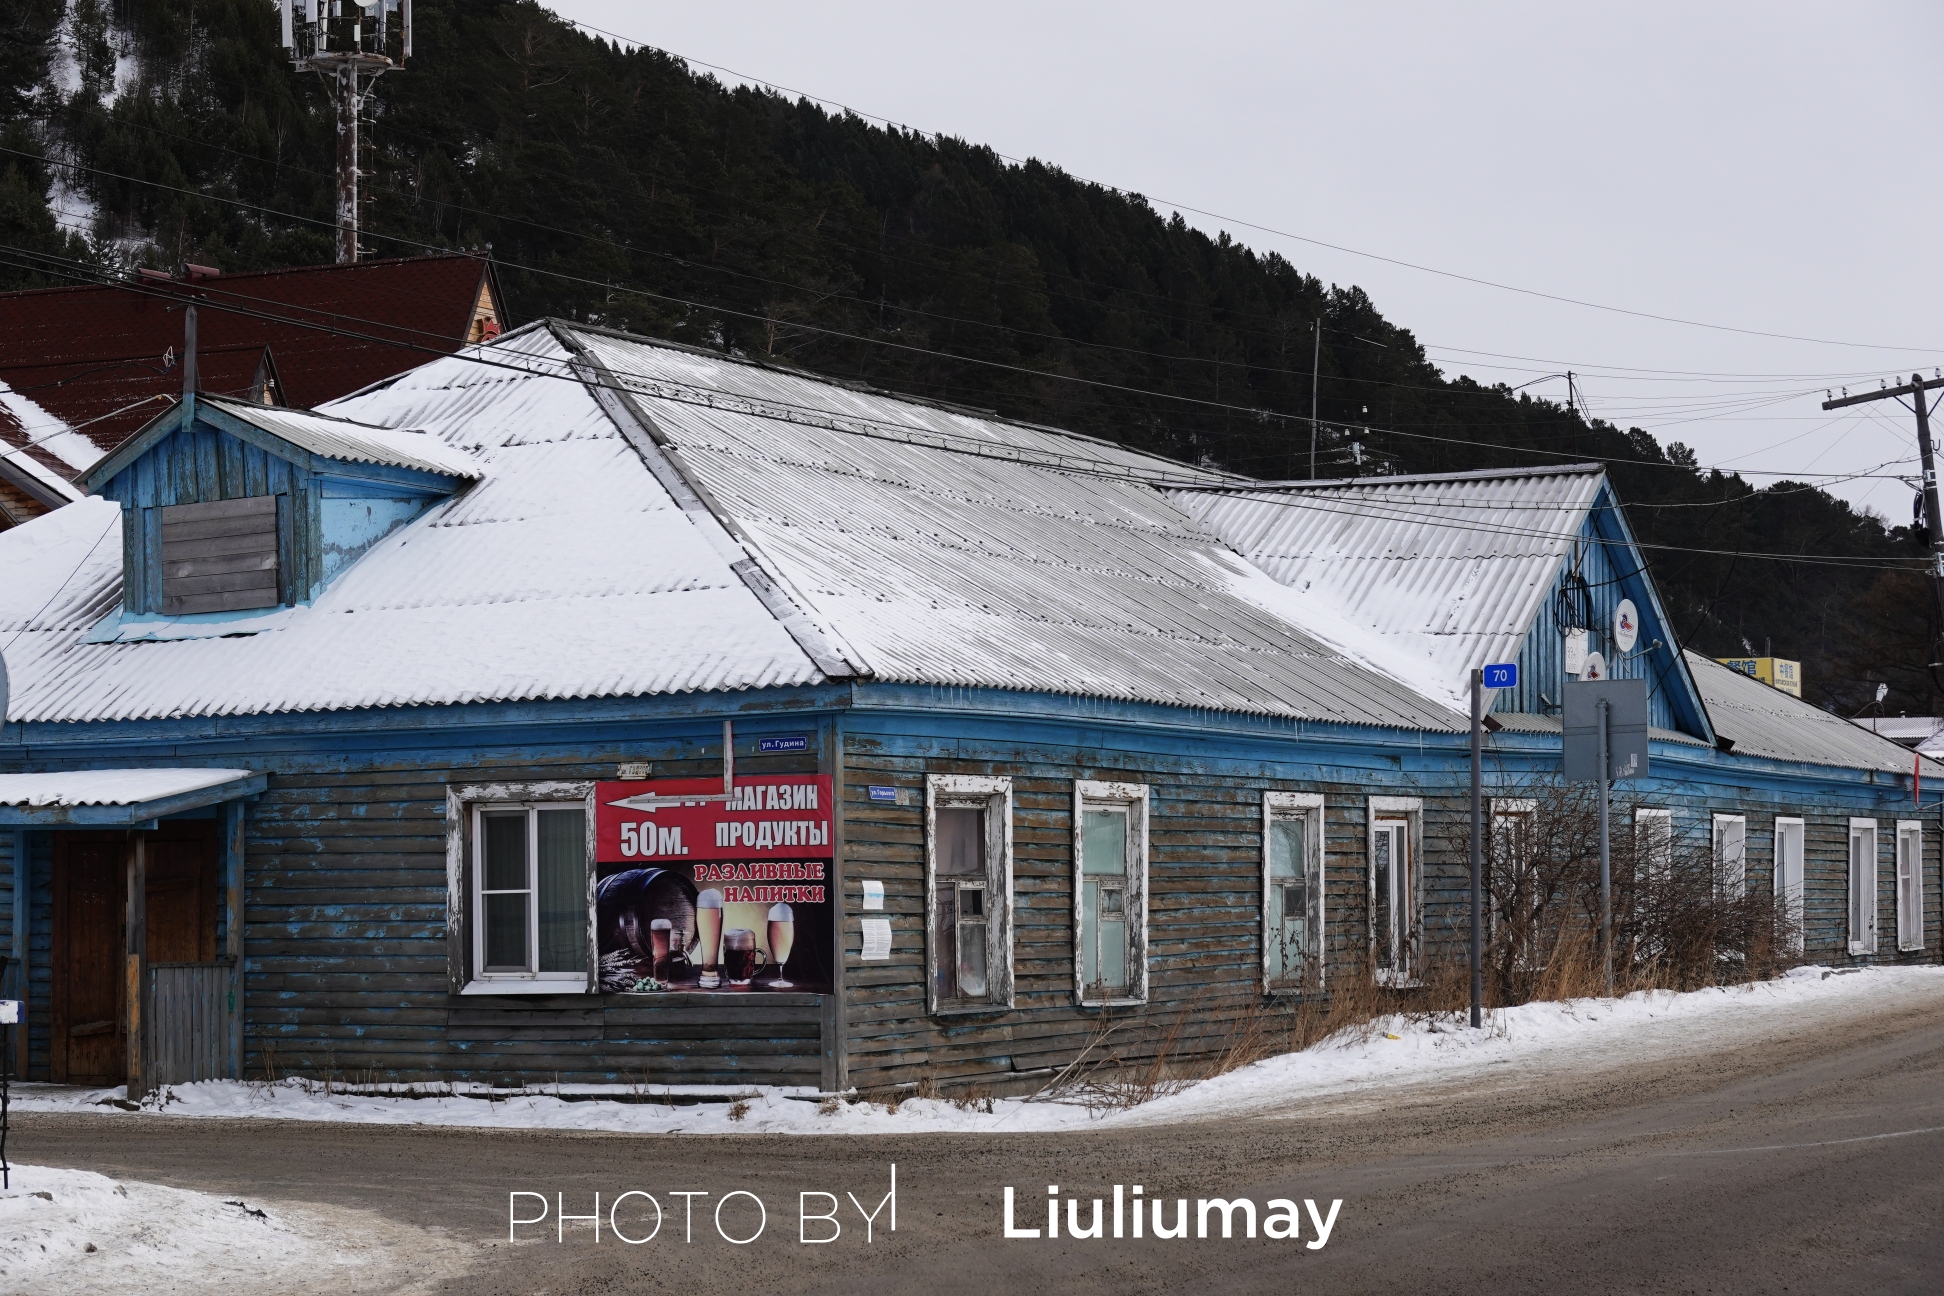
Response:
column 957, row 718
column 141, row 814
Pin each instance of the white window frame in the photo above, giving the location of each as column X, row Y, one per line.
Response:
column 1133, row 797
column 1307, row 806
column 466, row 936
column 1404, row 973
column 1789, row 890
column 1730, row 856
column 1642, row 818
column 1505, row 810
column 1862, row 891
column 1910, row 885
column 995, row 797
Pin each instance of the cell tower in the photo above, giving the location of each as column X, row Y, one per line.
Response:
column 350, row 43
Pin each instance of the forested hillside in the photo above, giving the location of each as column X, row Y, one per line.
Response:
column 620, row 187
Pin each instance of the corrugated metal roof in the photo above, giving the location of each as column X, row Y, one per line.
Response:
column 1765, row 721
column 568, row 572
column 338, row 438
column 949, row 548
column 109, row 787
column 1427, row 576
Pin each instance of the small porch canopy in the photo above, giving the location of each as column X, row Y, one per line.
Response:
column 117, row 798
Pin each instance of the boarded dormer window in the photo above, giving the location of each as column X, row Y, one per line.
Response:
column 220, row 556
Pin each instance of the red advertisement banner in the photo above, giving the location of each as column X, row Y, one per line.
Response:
column 729, row 897
column 773, row 817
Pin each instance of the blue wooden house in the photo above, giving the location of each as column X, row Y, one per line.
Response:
column 363, row 741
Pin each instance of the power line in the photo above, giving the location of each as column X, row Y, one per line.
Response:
column 93, row 275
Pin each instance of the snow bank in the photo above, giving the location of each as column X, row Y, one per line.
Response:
column 70, row 1230
column 1377, row 1062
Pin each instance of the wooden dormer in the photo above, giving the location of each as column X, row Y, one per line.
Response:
column 232, row 507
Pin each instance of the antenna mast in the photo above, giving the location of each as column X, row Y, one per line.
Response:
column 350, row 43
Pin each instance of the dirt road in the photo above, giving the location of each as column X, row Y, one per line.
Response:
column 1807, row 1160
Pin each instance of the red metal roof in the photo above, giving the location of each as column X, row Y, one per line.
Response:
column 94, row 356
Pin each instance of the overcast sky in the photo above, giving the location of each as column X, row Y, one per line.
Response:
column 1765, row 167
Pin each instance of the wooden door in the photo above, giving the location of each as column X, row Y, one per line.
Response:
column 89, row 1019
column 181, row 894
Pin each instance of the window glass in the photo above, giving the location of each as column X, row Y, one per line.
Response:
column 1103, row 865
column 1862, row 890
column 505, row 893
column 1387, row 865
column 1288, row 898
column 961, row 840
column 563, row 890
column 959, row 858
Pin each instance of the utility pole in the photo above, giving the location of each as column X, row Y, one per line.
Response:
column 1933, row 522
column 350, row 44
column 1316, row 372
column 1606, row 849
column 1477, row 848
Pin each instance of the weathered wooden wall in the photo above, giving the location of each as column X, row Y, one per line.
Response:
column 346, row 940
column 345, row 862
column 1204, row 890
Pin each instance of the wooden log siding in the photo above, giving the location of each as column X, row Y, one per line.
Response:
column 1204, row 922
column 1204, row 904
column 346, row 954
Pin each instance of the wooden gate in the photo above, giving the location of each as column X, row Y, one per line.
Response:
column 187, row 1023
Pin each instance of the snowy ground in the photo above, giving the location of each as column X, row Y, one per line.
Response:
column 1359, row 1069
column 73, row 1231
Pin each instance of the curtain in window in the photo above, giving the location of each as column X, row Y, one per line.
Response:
column 563, row 890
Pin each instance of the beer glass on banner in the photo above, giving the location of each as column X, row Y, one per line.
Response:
column 740, row 957
column 659, row 932
column 708, row 927
column 782, row 935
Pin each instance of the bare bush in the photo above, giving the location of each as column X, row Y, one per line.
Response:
column 1678, row 921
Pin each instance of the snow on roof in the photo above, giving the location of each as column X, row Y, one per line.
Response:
column 567, row 572
column 341, row 438
column 40, row 446
column 1428, row 576
column 951, row 548
column 1925, row 733
column 1765, row 721
column 109, row 787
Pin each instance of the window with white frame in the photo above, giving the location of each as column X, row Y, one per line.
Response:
column 1788, row 875
column 1653, row 845
column 968, row 892
column 1110, row 860
column 1396, row 888
column 521, row 885
column 1292, row 890
column 1910, row 884
column 1862, row 886
column 1730, row 856
column 1507, row 875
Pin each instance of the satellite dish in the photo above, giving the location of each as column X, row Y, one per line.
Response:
column 1595, row 668
column 1626, row 626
